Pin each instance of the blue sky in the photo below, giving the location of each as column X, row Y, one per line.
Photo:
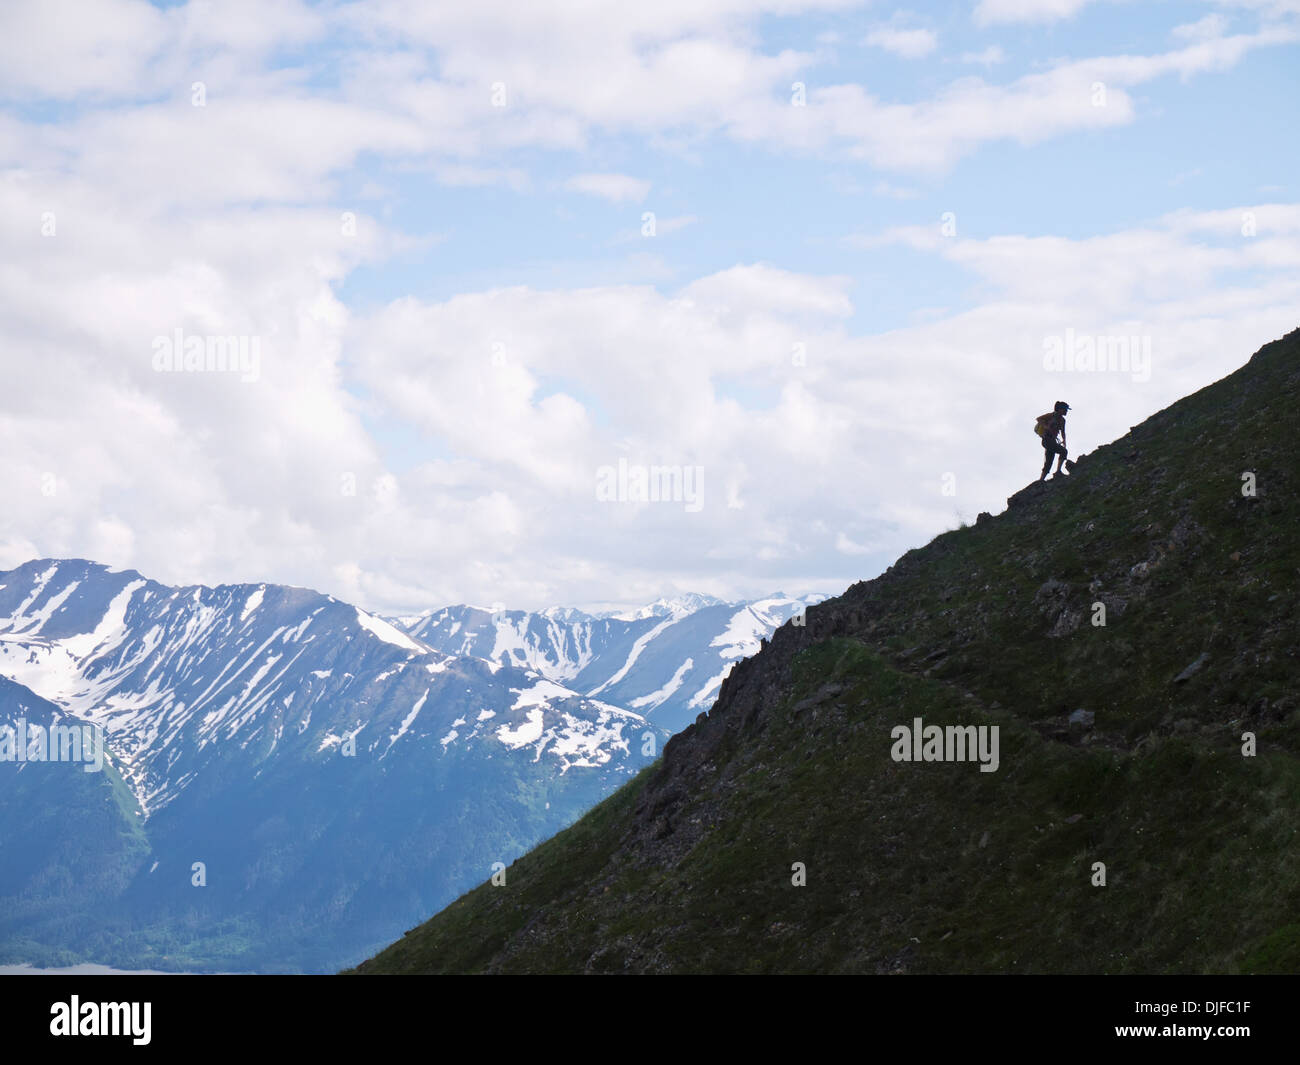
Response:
column 440, row 385
column 1197, row 142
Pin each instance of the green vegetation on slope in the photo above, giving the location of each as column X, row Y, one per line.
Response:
column 937, row 867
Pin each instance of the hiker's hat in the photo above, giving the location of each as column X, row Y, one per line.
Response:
column 1062, row 405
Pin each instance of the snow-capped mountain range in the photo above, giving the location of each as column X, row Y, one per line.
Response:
column 173, row 676
column 665, row 661
column 337, row 774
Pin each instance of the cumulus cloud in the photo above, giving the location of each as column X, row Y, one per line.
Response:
column 971, row 112
column 1203, row 29
column 988, row 12
column 408, row 450
column 823, row 453
column 129, row 49
column 616, row 188
column 905, row 43
column 294, row 94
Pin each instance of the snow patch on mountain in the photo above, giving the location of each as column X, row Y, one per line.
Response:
column 705, row 696
column 641, row 644
column 539, row 693
column 112, row 624
column 388, row 633
column 37, row 620
column 38, row 586
column 529, row 732
column 675, row 682
column 409, row 719
column 576, row 741
column 47, row 668
column 254, row 601
column 586, row 744
column 742, row 635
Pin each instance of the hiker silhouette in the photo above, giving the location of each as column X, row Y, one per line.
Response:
column 1049, row 426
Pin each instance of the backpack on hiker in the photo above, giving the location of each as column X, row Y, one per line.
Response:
column 1044, row 420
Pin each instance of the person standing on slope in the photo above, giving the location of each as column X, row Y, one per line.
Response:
column 1049, row 426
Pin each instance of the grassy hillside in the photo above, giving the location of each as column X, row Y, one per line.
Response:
column 937, row 867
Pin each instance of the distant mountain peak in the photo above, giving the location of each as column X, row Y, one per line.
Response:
column 666, row 606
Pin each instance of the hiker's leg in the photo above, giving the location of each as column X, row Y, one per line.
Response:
column 1047, row 461
column 1060, row 456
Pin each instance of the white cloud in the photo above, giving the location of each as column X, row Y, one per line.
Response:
column 847, row 546
column 64, row 48
column 970, row 112
column 227, row 219
column 989, row 57
column 1267, row 220
column 752, row 290
column 616, row 188
column 129, row 49
column 416, row 90
column 1269, row 8
column 906, row 43
column 664, row 226
column 513, row 397
column 1203, row 29
column 988, row 12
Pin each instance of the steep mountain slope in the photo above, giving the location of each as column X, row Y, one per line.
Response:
column 335, row 777
column 666, row 661
column 940, row 867
column 69, row 829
